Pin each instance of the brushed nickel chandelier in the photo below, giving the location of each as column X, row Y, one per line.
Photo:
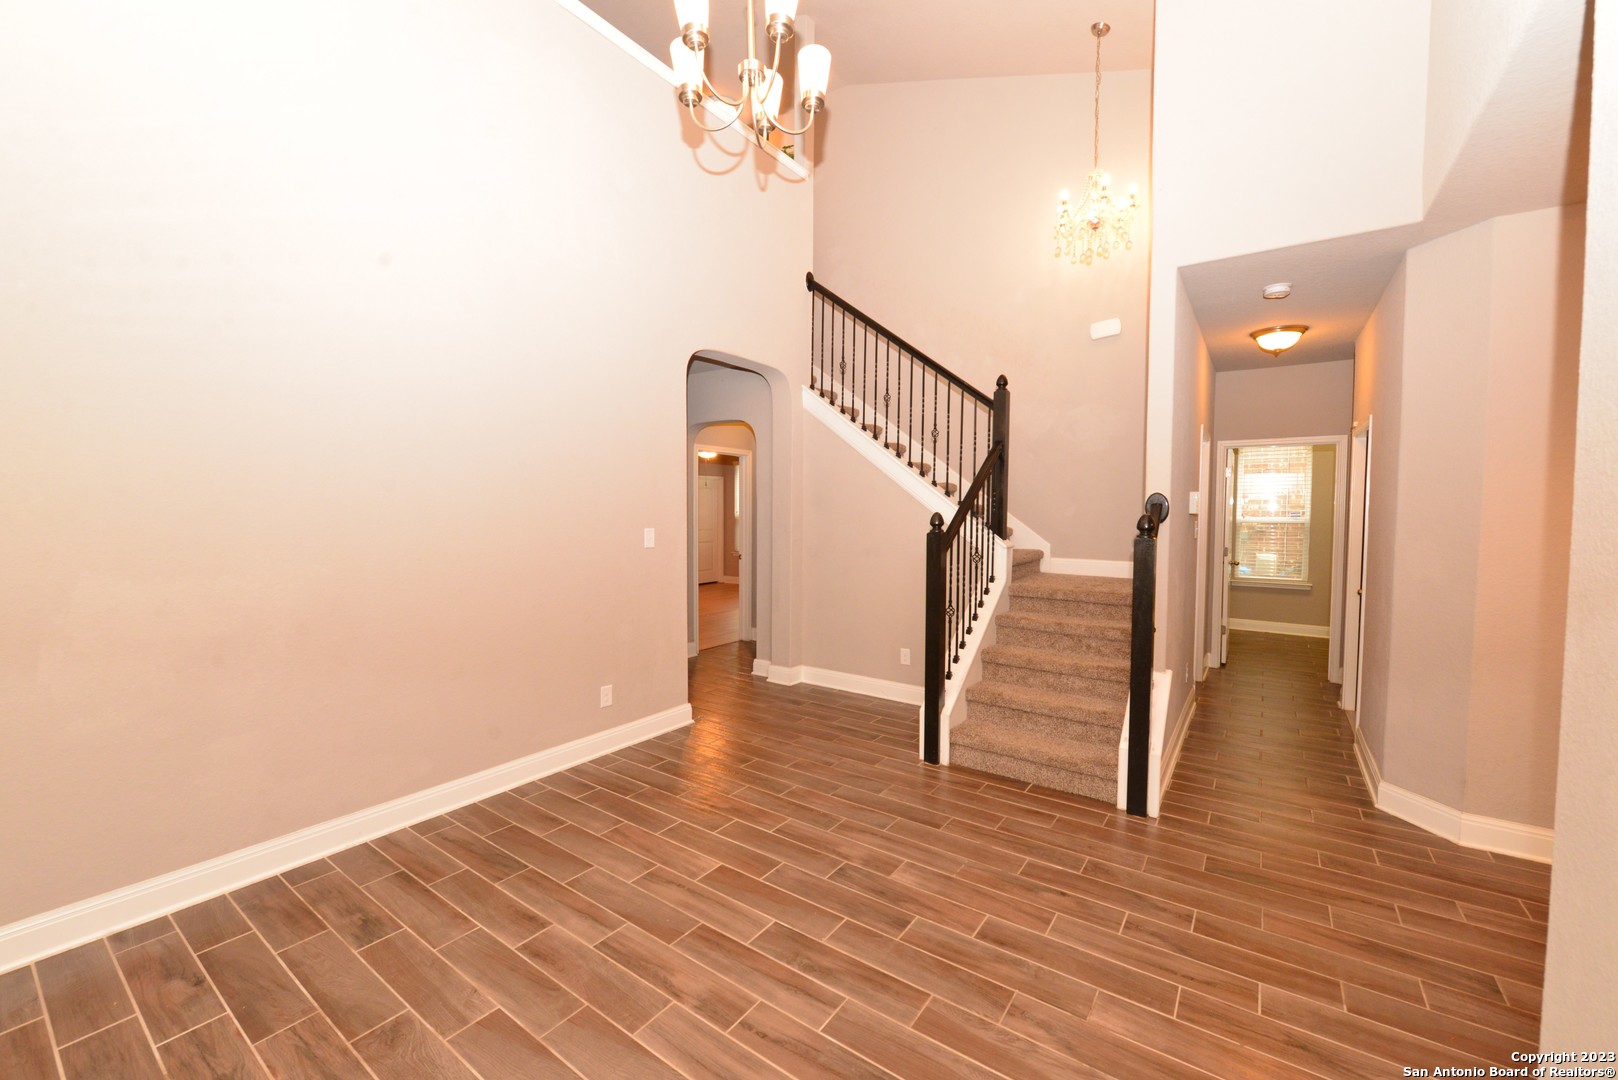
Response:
column 758, row 108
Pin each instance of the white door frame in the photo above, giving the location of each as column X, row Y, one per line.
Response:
column 1359, row 502
column 744, row 538
column 1221, row 598
column 1199, row 662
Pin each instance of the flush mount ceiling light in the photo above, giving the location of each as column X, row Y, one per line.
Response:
column 760, row 100
column 708, row 455
column 1276, row 340
column 1097, row 225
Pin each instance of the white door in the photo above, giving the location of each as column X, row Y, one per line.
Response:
column 1359, row 493
column 710, row 528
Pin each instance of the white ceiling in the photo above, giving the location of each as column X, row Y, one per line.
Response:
column 1526, row 150
column 873, row 41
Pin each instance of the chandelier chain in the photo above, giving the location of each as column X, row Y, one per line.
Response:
column 1095, row 155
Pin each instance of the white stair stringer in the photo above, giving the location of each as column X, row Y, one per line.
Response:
column 932, row 499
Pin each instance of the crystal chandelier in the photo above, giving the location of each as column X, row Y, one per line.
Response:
column 760, row 100
column 1098, row 225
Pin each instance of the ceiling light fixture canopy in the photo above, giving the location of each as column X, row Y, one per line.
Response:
column 1098, row 225
column 758, row 108
column 1276, row 340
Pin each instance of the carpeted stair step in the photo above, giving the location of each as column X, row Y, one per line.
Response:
column 1048, row 669
column 1086, row 716
column 1037, row 630
column 1025, row 562
column 1022, row 752
column 1073, row 595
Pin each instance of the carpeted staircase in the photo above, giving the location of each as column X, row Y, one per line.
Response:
column 1050, row 706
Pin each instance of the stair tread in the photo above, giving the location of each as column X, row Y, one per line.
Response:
column 1067, row 663
column 1079, row 755
column 1024, row 555
column 1078, row 708
column 1096, row 590
column 1074, row 625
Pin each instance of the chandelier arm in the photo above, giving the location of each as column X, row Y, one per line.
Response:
column 800, row 131
column 737, row 104
column 721, row 127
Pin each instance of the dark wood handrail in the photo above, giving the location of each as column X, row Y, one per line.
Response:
column 962, row 512
column 1142, row 630
column 926, row 361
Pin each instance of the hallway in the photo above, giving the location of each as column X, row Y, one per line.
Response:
column 783, row 882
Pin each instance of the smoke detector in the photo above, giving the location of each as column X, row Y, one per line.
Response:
column 1279, row 291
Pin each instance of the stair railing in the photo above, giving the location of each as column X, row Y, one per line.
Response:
column 962, row 561
column 954, row 436
column 1142, row 630
column 923, row 413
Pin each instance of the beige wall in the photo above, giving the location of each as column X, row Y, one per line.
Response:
column 1466, row 599
column 1378, row 385
column 941, row 228
column 864, row 538
column 1178, row 649
column 1309, row 607
column 309, row 317
column 1581, row 996
column 1286, row 402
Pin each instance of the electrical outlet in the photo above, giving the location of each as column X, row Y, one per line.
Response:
column 904, row 657
column 651, row 538
column 606, row 695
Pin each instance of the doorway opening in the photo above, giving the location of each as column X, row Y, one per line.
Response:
column 722, row 529
column 1277, row 548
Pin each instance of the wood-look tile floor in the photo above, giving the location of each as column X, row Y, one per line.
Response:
column 718, row 614
column 782, row 889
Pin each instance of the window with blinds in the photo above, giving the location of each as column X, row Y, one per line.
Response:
column 1272, row 513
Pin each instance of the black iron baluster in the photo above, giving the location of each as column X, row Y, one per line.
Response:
column 910, row 413
column 933, row 468
column 887, row 390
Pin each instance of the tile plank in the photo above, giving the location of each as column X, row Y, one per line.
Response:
column 426, row 982
column 170, row 990
column 82, row 991
column 259, row 992
column 214, row 1051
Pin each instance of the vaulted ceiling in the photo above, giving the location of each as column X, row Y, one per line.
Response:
column 875, row 41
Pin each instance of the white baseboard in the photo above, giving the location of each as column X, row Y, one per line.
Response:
column 691, row 649
column 1188, row 712
column 1368, row 767
column 727, row 579
column 1468, row 830
column 761, row 667
column 1295, row 629
column 29, row 939
column 842, row 680
column 1089, row 567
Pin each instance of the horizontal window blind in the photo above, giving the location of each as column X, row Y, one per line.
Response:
column 1273, row 485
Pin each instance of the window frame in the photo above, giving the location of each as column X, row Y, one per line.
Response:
column 1301, row 581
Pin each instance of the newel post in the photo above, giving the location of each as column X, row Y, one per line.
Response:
column 934, row 645
column 1000, row 427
